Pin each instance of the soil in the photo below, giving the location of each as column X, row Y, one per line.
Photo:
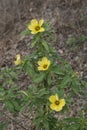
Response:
column 67, row 17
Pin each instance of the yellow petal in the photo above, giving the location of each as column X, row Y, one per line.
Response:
column 57, row 98
column 41, row 30
column 18, row 56
column 30, row 27
column 62, row 102
column 34, row 22
column 48, row 62
column 40, row 68
column 33, row 32
column 17, row 62
column 41, row 22
column 58, row 108
column 44, row 60
column 55, row 107
column 52, row 99
column 39, row 62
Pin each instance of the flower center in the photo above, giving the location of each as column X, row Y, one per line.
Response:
column 57, row 102
column 44, row 66
column 37, row 28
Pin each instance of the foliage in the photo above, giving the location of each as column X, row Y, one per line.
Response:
column 54, row 77
column 74, row 40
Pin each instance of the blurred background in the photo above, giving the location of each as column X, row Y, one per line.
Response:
column 12, row 11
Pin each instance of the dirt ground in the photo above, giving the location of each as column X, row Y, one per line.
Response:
column 67, row 17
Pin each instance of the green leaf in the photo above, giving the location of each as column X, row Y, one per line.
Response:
column 74, row 127
column 46, row 125
column 38, row 126
column 42, row 92
column 33, row 43
column 82, row 38
column 28, row 67
column 13, row 75
column 17, row 107
column 49, row 80
column 44, row 43
column 65, row 82
column 26, row 32
column 35, row 40
column 39, row 77
column 60, row 92
column 2, row 125
column 58, row 70
column 23, row 92
column 75, row 87
column 9, row 106
column 72, row 119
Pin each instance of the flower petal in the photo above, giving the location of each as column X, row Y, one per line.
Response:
column 17, row 62
column 62, row 102
column 44, row 60
column 49, row 62
column 40, row 68
column 52, row 99
column 34, row 22
column 31, row 27
column 33, row 32
column 39, row 62
column 18, row 57
column 57, row 98
column 43, row 64
column 41, row 30
column 41, row 22
column 58, row 108
column 53, row 106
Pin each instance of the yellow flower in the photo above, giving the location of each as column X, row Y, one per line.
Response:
column 43, row 64
column 56, row 104
column 77, row 73
column 36, row 26
column 18, row 60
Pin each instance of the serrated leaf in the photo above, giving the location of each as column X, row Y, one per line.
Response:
column 2, row 125
column 39, row 77
column 44, row 43
column 74, row 127
column 65, row 82
column 26, row 32
column 42, row 92
column 16, row 105
column 35, row 40
column 46, row 125
column 58, row 70
column 29, row 69
column 49, row 80
column 24, row 93
column 14, row 75
column 76, row 85
column 9, row 106
column 72, row 119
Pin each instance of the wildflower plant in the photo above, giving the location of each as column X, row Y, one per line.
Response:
column 53, row 83
column 56, row 104
column 36, row 26
column 18, row 60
